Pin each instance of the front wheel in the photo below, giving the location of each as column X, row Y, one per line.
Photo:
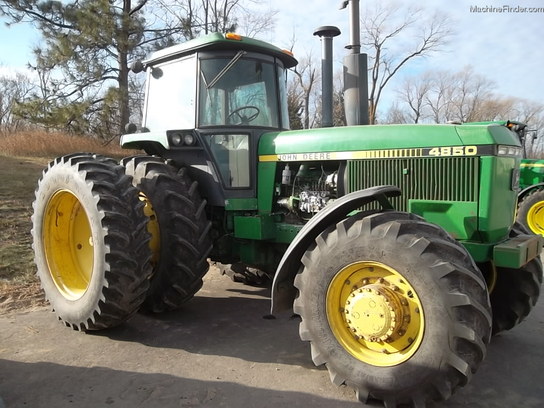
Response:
column 394, row 307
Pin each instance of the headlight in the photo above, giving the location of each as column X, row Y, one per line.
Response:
column 513, row 151
column 182, row 138
column 176, row 139
column 188, row 139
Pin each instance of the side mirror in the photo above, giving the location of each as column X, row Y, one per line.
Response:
column 137, row 66
column 131, row 128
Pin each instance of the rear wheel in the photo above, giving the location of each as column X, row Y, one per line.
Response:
column 531, row 212
column 394, row 308
column 180, row 231
column 90, row 241
column 516, row 291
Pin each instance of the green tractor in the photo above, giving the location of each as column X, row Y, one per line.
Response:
column 398, row 293
column 531, row 182
column 531, row 196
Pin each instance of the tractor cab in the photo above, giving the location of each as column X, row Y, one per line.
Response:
column 207, row 103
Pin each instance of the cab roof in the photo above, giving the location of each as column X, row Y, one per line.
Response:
column 218, row 41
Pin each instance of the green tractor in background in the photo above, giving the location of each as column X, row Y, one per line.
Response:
column 396, row 244
column 531, row 196
column 531, row 184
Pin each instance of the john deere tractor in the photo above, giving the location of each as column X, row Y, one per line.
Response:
column 395, row 244
column 531, row 184
column 530, row 213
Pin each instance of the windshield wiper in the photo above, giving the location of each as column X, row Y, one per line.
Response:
column 227, row 67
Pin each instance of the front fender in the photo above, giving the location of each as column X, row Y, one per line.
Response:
column 283, row 291
column 526, row 190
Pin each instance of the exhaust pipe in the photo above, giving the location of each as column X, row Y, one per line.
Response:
column 326, row 33
column 355, row 72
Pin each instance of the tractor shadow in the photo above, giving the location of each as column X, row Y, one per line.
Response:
column 228, row 319
column 224, row 319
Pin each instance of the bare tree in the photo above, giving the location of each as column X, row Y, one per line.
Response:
column 442, row 96
column 394, row 36
column 466, row 96
column 471, row 91
column 303, row 88
column 415, row 93
column 13, row 89
column 197, row 17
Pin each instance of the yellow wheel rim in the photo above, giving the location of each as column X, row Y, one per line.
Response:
column 375, row 314
column 535, row 218
column 152, row 228
column 68, row 244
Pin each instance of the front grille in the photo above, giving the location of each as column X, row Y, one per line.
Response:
column 423, row 178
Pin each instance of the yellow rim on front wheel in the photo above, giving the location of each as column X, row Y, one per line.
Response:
column 375, row 314
column 68, row 244
column 535, row 218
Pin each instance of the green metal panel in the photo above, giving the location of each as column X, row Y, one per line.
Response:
column 384, row 137
column 358, row 137
column 240, row 204
column 257, row 227
column 517, row 251
column 486, row 134
column 478, row 251
column 286, row 232
column 497, row 200
column 265, row 187
column 459, row 219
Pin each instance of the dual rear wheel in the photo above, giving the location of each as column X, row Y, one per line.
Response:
column 101, row 232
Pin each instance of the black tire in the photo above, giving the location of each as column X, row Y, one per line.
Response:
column 180, row 259
column 516, row 291
column 438, row 295
column 90, row 242
column 531, row 212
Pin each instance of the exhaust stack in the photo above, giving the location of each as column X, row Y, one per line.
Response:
column 326, row 33
column 355, row 72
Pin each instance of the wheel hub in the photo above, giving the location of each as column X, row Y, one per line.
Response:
column 374, row 313
column 535, row 218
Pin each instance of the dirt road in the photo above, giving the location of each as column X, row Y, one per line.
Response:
column 219, row 352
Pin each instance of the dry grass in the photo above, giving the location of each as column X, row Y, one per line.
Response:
column 23, row 156
column 49, row 145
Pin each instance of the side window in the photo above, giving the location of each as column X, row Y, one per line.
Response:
column 231, row 153
column 171, row 95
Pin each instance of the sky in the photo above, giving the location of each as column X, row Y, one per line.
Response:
column 506, row 47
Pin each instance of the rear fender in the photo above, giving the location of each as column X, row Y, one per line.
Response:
column 283, row 291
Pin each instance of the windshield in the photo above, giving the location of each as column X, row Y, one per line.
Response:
column 239, row 92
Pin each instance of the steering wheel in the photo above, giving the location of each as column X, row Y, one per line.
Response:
column 243, row 119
